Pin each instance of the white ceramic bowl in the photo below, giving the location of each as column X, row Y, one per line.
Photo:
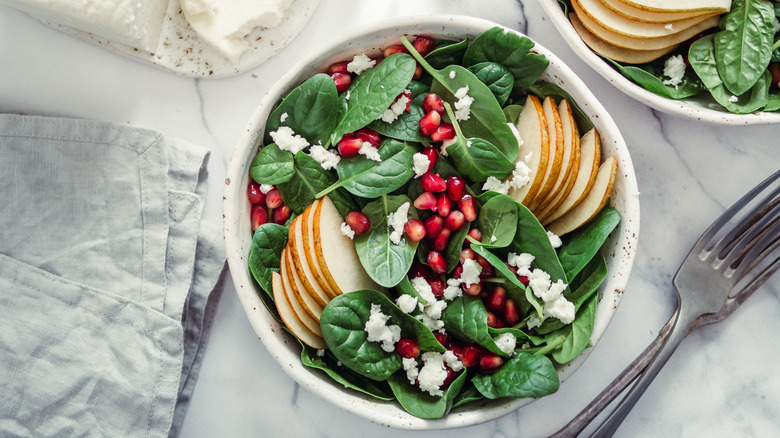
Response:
column 619, row 250
column 686, row 108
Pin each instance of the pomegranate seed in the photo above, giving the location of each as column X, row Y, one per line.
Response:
column 358, row 221
column 468, row 206
column 436, row 262
column 490, row 361
column 440, row 241
column 456, row 187
column 500, row 323
column 471, row 355
column 445, row 131
column 432, row 182
column 449, row 378
column 424, row 45
column 369, row 135
column 467, row 254
column 484, row 295
column 393, row 49
column 455, row 220
column 432, row 155
column 457, row 350
column 281, row 214
column 491, row 319
column 426, row 201
column 349, row 146
column 433, row 225
column 441, row 337
column 254, row 194
column 341, row 80
column 419, row 270
column 511, row 315
column 487, row 268
column 511, row 268
column 429, row 122
column 523, row 279
column 774, row 68
column 496, row 300
column 432, row 102
column 415, row 229
column 475, row 234
column 418, row 72
column 339, row 67
column 273, row 198
column 259, row 215
column 474, row 289
column 437, row 286
column 443, row 205
column 457, row 271
column 408, row 348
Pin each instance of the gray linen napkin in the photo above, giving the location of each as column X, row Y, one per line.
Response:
column 108, row 271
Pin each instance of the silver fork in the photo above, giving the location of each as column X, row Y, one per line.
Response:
column 731, row 256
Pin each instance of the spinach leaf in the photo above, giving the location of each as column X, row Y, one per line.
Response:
column 498, row 219
column 525, row 375
column 371, row 93
column 466, row 318
column 343, row 323
column 743, row 47
column 544, row 89
column 510, row 50
column 447, row 53
column 497, row 77
column 512, row 113
column 645, row 75
column 309, row 179
column 272, row 166
column 577, row 333
column 531, row 237
column 265, row 252
column 311, row 108
column 405, row 128
column 476, row 158
column 385, row 262
column 486, row 119
column 343, row 375
column 468, row 394
column 773, row 102
column 580, row 246
column 421, row 404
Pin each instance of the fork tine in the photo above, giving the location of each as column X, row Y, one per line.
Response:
column 752, row 242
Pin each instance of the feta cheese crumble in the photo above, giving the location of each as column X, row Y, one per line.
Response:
column 463, row 104
column 265, row 188
column 283, row 117
column 669, row 27
column 328, row 159
column 287, row 140
column 432, row 374
column 423, row 288
column 396, row 109
column 396, row 220
column 369, row 152
column 471, row 271
column 521, row 261
column 555, row 304
column 506, row 342
column 420, row 164
column 452, row 74
column 521, row 175
column 378, row 331
column 555, row 241
column 406, row 303
column 410, row 366
column 453, row 289
column 452, row 361
column 347, row 230
column 733, row 99
column 360, row 63
column 674, row 69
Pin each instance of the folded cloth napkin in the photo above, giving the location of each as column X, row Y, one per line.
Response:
column 109, row 278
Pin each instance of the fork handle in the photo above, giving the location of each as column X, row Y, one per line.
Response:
column 598, row 404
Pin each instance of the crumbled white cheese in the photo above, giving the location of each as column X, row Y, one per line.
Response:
column 423, row 288
column 287, row 140
column 674, row 69
column 396, row 221
column 444, row 145
column 410, row 366
column 283, row 117
column 506, row 342
column 347, row 230
column 396, row 109
column 521, row 175
column 347, row 95
column 521, row 261
column 452, row 74
column 360, row 63
column 560, row 308
column 328, row 159
column 369, row 151
column 434, row 309
column 453, row 289
column 669, row 27
column 733, row 99
column 406, row 303
column 555, row 304
column 468, row 143
column 493, row 238
column 378, row 331
column 265, row 188
column 495, row 185
column 420, row 164
column 452, row 361
column 320, row 353
column 434, row 325
column 539, row 281
column 463, row 104
column 471, row 271
column 533, row 321
column 432, row 374
column 555, row 241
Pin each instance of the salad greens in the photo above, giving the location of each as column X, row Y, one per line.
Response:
column 498, row 70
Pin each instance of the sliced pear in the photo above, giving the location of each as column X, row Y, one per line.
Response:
column 590, row 156
column 309, row 304
column 592, row 204
column 310, row 251
column 617, row 23
column 289, row 317
column 555, row 160
column 620, row 54
column 534, row 149
column 295, row 244
column 645, row 16
column 680, row 5
column 336, row 253
column 571, row 160
column 301, row 314
column 635, row 43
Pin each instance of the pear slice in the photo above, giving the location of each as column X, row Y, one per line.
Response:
column 534, row 148
column 310, row 251
column 620, row 54
column 309, row 304
column 301, row 266
column 571, row 160
column 592, row 204
column 611, row 20
column 645, row 16
column 639, row 43
column 555, row 161
column 680, row 5
column 289, row 317
column 313, row 325
column 336, row 253
column 590, row 156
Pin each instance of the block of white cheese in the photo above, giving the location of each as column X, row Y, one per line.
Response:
column 134, row 23
column 224, row 24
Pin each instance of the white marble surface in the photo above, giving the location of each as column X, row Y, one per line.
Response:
column 722, row 382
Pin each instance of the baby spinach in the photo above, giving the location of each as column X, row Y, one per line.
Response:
column 309, row 179
column 512, row 113
column 531, row 237
column 743, row 47
column 421, row 404
column 497, row 77
column 646, row 75
column 577, row 333
column 466, row 318
column 498, row 219
column 265, row 253
column 311, row 110
column 371, row 93
column 511, row 51
column 545, row 89
column 525, row 375
column 405, row 128
column 272, row 166
column 343, row 323
column 447, row 53
column 385, row 262
column 371, row 179
column 468, row 394
column 582, row 244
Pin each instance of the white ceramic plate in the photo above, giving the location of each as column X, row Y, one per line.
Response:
column 688, row 108
column 619, row 250
column 181, row 51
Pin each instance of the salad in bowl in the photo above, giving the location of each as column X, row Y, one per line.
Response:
column 432, row 217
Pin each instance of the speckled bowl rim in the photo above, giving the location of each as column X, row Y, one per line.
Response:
column 619, row 250
column 688, row 109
